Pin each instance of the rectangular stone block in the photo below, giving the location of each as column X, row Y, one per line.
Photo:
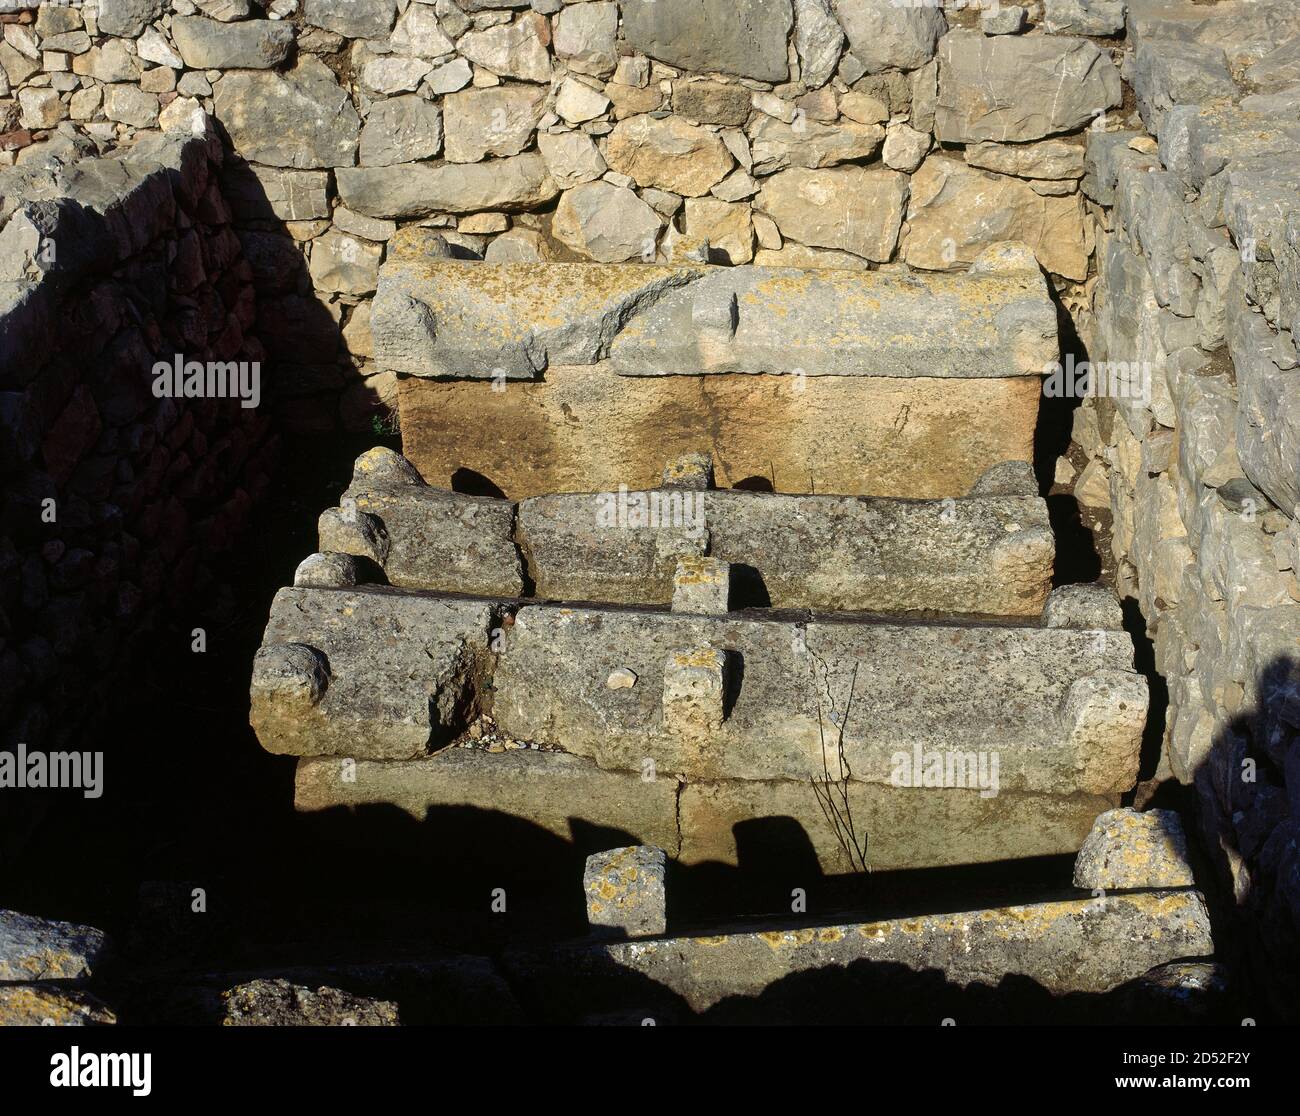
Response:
column 552, row 791
column 981, row 554
column 1079, row 945
column 371, row 672
column 1060, row 710
column 583, row 428
column 443, row 317
column 423, row 537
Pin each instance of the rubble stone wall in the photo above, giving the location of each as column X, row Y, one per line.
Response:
column 1199, row 285
column 119, row 498
column 808, row 133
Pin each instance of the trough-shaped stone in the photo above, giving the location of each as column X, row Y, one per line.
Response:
column 1042, row 710
column 583, row 428
column 989, row 554
column 566, row 377
column 980, row 708
column 979, row 554
column 367, row 671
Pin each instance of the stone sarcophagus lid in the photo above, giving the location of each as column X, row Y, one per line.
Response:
column 524, row 379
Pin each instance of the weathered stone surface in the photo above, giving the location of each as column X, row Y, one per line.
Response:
column 1047, row 159
column 1086, row 607
column 571, row 157
column 401, row 130
column 1167, row 73
column 988, row 555
column 701, row 586
column 301, row 118
column 34, row 949
column 711, row 102
column 326, row 571
column 727, row 228
column 905, row 148
column 892, row 829
column 51, row 1005
column 367, row 672
column 516, row 50
column 1017, row 88
column 443, row 317
column 577, row 102
column 1084, row 17
column 1129, row 849
column 127, row 18
column 266, row 193
column 885, row 35
column 255, row 44
column 1268, row 415
column 447, row 317
column 841, row 323
column 482, row 122
column 1065, row 707
column 806, row 143
column 355, row 19
column 433, row 539
column 669, row 154
column 606, row 223
column 625, row 892
column 845, row 434
column 854, row 209
column 128, row 105
column 745, row 37
column 1074, row 946
column 957, row 211
column 584, row 37
column 342, row 264
column 818, row 40
column 393, row 74
column 399, row 193
column 557, row 793
column 280, row 1003
column 419, row 35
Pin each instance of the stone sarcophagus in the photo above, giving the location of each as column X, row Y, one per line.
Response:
column 524, row 379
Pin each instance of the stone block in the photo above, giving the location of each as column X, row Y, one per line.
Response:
column 367, row 671
column 625, row 892
column 1065, row 707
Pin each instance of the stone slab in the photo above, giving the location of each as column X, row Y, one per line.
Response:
column 852, row 827
column 584, row 428
column 1043, row 710
column 990, row 555
column 553, row 791
column 439, row 317
column 1080, row 945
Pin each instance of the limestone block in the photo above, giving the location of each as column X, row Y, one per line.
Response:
column 1074, row 946
column 701, row 586
column 1065, row 706
column 796, row 551
column 367, row 672
column 1129, row 849
column 625, row 892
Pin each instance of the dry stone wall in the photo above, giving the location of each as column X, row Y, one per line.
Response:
column 120, row 495
column 807, row 133
column 1199, row 293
